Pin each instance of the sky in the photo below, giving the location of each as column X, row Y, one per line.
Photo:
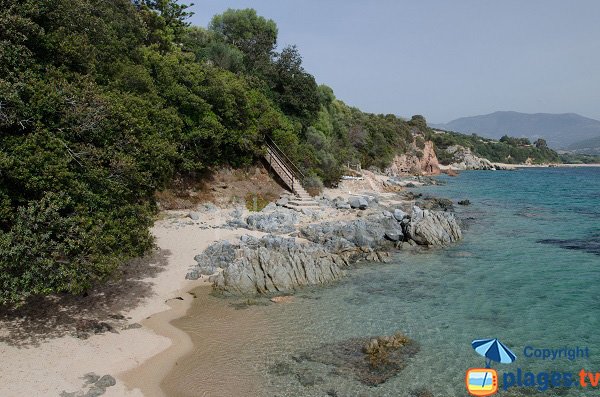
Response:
column 443, row 59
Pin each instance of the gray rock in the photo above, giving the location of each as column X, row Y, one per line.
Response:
column 132, row 326
column 433, row 228
column 417, row 213
column 209, row 207
column 393, row 236
column 283, row 201
column 106, row 381
column 237, row 212
column 280, row 221
column 271, row 264
column 95, row 391
column 358, row 202
column 342, row 206
column 399, row 214
column 269, row 207
column 72, row 394
column 194, row 216
column 387, row 214
column 436, row 204
column 307, row 211
column 217, row 255
column 90, row 378
column 353, row 238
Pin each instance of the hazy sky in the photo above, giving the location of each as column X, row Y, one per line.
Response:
column 444, row 59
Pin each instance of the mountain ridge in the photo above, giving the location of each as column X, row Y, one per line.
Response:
column 560, row 130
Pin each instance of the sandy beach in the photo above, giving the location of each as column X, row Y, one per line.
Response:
column 42, row 354
column 44, row 358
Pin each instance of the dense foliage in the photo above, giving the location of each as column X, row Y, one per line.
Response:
column 506, row 150
column 103, row 102
column 579, row 158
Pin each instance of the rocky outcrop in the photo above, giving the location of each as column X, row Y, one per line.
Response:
column 412, row 163
column 269, row 264
column 273, row 264
column 464, row 159
column 431, row 228
column 360, row 238
column 281, row 220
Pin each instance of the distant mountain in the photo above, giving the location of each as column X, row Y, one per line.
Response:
column 588, row 146
column 559, row 130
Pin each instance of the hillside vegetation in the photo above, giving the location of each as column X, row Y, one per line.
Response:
column 104, row 102
column 506, row 150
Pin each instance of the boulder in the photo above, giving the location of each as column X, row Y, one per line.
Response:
column 279, row 221
column 269, row 207
column 370, row 360
column 106, row 381
column 464, row 202
column 393, row 236
column 432, row 228
column 399, row 214
column 283, row 201
column 436, row 204
column 342, row 206
column 269, row 264
column 353, row 239
column 194, row 216
column 358, row 203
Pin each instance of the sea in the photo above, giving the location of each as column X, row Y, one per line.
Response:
column 527, row 273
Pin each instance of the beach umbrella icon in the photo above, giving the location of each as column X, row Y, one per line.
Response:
column 493, row 350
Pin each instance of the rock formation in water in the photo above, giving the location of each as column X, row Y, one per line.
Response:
column 370, row 360
column 432, row 228
column 273, row 264
column 269, row 264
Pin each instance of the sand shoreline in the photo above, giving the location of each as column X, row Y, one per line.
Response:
column 52, row 362
column 139, row 358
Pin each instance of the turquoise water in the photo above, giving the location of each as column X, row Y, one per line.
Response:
column 501, row 282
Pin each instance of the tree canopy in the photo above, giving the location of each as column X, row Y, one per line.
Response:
column 104, row 102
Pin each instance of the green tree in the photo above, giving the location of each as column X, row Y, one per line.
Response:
column 253, row 35
column 295, row 91
column 540, row 143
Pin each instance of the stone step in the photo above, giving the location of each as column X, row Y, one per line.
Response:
column 303, row 203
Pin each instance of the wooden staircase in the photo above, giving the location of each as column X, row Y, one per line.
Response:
column 290, row 175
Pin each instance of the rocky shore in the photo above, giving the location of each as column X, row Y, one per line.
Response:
column 317, row 246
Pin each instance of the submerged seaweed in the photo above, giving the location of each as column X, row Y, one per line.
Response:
column 370, row 360
column 590, row 244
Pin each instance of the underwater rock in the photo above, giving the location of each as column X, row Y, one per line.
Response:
column 370, row 360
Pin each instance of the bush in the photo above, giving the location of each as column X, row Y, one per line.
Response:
column 313, row 185
column 255, row 202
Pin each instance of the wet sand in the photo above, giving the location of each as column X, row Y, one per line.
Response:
column 217, row 361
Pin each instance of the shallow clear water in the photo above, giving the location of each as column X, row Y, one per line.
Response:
column 501, row 282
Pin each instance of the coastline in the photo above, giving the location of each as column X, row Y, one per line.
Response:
column 43, row 368
column 141, row 357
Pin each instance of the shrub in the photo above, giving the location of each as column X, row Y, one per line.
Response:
column 313, row 185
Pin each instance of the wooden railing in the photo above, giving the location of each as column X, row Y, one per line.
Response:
column 283, row 166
